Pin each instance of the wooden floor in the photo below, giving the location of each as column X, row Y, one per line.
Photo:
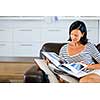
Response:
column 13, row 71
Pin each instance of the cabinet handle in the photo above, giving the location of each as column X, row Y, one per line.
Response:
column 54, row 30
column 26, row 45
column 26, row 30
column 2, row 30
column 2, row 44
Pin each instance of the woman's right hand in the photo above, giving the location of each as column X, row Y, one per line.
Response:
column 47, row 61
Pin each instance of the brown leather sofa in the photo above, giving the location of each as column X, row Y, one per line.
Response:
column 98, row 47
column 53, row 47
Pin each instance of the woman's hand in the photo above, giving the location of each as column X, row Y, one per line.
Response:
column 91, row 66
column 47, row 61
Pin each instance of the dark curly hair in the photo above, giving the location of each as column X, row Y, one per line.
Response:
column 80, row 26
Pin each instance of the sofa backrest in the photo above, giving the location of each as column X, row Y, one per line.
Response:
column 98, row 47
column 51, row 47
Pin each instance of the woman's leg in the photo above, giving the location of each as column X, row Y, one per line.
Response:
column 92, row 78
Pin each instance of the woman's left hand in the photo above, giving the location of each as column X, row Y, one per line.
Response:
column 90, row 66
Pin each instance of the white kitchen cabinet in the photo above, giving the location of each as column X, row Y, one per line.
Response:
column 28, row 35
column 54, row 35
column 56, row 31
column 22, row 49
column 26, row 42
column 24, row 38
column 5, row 35
column 36, row 46
column 26, row 49
column 6, row 49
column 92, row 30
column 22, row 35
column 91, row 23
column 6, row 42
column 27, row 23
column 93, row 36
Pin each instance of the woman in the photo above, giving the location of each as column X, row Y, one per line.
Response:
column 79, row 49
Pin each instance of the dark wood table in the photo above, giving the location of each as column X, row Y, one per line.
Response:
column 12, row 69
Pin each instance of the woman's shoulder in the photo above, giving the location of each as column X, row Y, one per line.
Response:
column 64, row 46
column 90, row 45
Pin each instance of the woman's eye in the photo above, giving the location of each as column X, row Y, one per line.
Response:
column 76, row 35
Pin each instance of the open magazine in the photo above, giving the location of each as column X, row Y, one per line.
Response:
column 75, row 69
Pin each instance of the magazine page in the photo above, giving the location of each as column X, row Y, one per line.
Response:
column 79, row 74
column 75, row 69
column 53, row 57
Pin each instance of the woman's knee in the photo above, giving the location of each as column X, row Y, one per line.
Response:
column 92, row 78
column 83, row 80
column 87, row 79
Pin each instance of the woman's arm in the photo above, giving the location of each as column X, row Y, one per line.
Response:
column 94, row 52
column 93, row 66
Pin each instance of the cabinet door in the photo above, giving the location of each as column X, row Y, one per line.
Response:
column 36, row 49
column 27, row 35
column 54, row 35
column 22, row 35
column 26, row 49
column 92, row 30
column 93, row 35
column 26, row 42
column 5, row 49
column 22, row 49
column 5, row 35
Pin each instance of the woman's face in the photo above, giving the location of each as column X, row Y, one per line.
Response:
column 76, row 35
